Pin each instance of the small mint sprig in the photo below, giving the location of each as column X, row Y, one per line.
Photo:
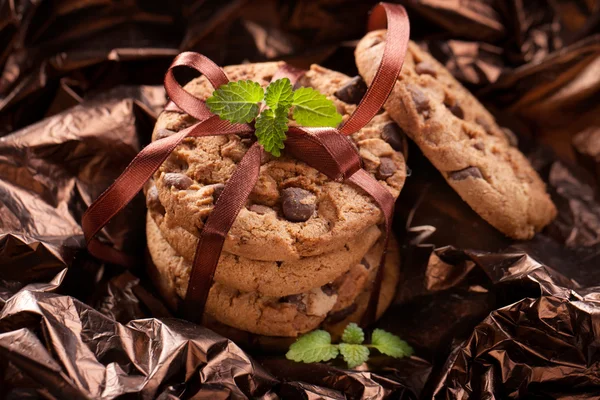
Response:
column 242, row 102
column 316, row 346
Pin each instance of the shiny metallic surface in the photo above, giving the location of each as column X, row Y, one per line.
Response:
column 80, row 88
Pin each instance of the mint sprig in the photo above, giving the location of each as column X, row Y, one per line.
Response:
column 271, row 127
column 316, row 346
column 242, row 102
column 313, row 347
column 236, row 101
column 353, row 334
column 279, row 93
column 311, row 108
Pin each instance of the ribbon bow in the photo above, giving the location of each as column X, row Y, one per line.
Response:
column 325, row 149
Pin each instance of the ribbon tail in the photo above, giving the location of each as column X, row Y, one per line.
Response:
column 120, row 193
column 385, row 201
column 208, row 251
column 131, row 181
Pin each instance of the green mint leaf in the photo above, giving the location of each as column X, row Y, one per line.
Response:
column 354, row 354
column 353, row 334
column 271, row 127
column 311, row 108
column 279, row 93
column 313, row 347
column 236, row 101
column 390, row 345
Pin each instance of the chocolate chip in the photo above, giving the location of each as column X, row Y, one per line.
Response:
column 341, row 315
column 163, row 133
column 217, row 190
column 152, row 200
column 177, row 180
column 484, row 124
column 298, row 204
column 247, row 142
column 463, row 174
column 479, row 146
column 328, row 289
column 420, row 99
column 260, row 209
column 394, row 135
column 295, row 299
column 512, row 138
column 365, row 263
column 457, row 110
column 426, row 68
column 353, row 91
column 387, row 167
column 375, row 41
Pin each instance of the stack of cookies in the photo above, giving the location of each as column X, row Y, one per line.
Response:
column 304, row 251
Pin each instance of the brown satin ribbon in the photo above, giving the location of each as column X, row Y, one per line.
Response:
column 326, row 149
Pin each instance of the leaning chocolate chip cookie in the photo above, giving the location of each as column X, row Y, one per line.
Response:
column 462, row 140
column 261, row 314
column 294, row 211
column 270, row 278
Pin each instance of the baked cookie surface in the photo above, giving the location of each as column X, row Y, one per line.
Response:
column 462, row 140
column 261, row 314
column 271, row 278
column 336, row 321
column 272, row 227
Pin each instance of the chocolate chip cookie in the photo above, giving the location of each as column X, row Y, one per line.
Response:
column 294, row 211
column 270, row 278
column 335, row 322
column 462, row 140
column 267, row 315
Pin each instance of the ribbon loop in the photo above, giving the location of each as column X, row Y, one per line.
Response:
column 178, row 95
column 389, row 69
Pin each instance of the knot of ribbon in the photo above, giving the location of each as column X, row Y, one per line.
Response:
column 326, row 149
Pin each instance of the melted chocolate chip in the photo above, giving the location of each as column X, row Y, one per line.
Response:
column 247, row 142
column 341, row 315
column 463, row 174
column 260, row 209
column 353, row 91
column 328, row 289
column 484, row 124
column 394, row 135
column 457, row 110
column 298, row 204
column 425, row 68
column 217, row 190
column 365, row 263
column 163, row 133
column 420, row 99
column 387, row 168
column 375, row 42
column 177, row 180
column 152, row 200
column 479, row 146
column 512, row 138
column 295, row 299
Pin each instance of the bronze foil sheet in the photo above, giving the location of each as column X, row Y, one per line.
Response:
column 80, row 88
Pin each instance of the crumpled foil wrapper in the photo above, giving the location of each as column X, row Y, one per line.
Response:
column 489, row 318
